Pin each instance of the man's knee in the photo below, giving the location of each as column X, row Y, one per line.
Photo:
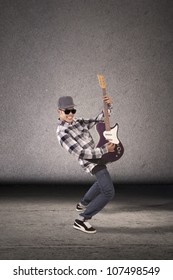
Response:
column 109, row 194
column 112, row 194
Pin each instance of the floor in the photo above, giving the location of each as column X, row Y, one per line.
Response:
column 36, row 223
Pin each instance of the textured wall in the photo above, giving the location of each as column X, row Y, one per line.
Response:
column 50, row 48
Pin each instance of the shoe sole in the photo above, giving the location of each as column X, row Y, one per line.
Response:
column 82, row 229
column 80, row 210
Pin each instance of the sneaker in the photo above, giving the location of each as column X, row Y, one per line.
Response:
column 80, row 207
column 84, row 226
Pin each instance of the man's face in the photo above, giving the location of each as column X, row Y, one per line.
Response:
column 67, row 115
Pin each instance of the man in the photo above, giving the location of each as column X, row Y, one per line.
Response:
column 74, row 136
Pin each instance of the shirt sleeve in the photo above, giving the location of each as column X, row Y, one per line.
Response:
column 75, row 149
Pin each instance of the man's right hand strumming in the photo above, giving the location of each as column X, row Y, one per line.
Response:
column 110, row 146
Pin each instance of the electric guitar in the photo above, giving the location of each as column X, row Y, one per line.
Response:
column 108, row 133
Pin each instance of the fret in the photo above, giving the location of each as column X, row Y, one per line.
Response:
column 106, row 113
column 105, row 106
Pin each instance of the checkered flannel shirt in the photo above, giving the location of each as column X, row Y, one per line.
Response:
column 77, row 140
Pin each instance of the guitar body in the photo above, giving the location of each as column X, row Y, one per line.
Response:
column 119, row 149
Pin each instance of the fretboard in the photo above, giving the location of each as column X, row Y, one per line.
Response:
column 106, row 114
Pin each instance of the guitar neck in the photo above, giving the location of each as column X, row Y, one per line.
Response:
column 106, row 114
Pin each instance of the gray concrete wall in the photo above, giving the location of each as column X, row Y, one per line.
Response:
column 51, row 48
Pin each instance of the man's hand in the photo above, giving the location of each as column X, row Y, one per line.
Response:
column 107, row 100
column 110, row 146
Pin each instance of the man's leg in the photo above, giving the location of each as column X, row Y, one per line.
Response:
column 93, row 191
column 104, row 189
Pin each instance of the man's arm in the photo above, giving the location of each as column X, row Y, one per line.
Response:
column 75, row 149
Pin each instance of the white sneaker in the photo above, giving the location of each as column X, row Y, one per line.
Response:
column 80, row 207
column 84, row 226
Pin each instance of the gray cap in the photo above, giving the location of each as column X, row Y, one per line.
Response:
column 65, row 102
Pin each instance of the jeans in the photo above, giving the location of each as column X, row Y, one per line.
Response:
column 100, row 193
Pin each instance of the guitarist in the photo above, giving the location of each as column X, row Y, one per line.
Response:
column 74, row 136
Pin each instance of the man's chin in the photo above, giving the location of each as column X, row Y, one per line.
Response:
column 69, row 120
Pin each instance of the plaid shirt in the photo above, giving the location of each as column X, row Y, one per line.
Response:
column 77, row 140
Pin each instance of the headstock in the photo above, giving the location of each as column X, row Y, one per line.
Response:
column 101, row 81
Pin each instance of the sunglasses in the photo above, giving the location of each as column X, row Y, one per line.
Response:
column 67, row 111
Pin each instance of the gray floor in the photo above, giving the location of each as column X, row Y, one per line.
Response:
column 133, row 226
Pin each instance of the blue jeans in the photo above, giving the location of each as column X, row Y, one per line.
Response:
column 100, row 193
